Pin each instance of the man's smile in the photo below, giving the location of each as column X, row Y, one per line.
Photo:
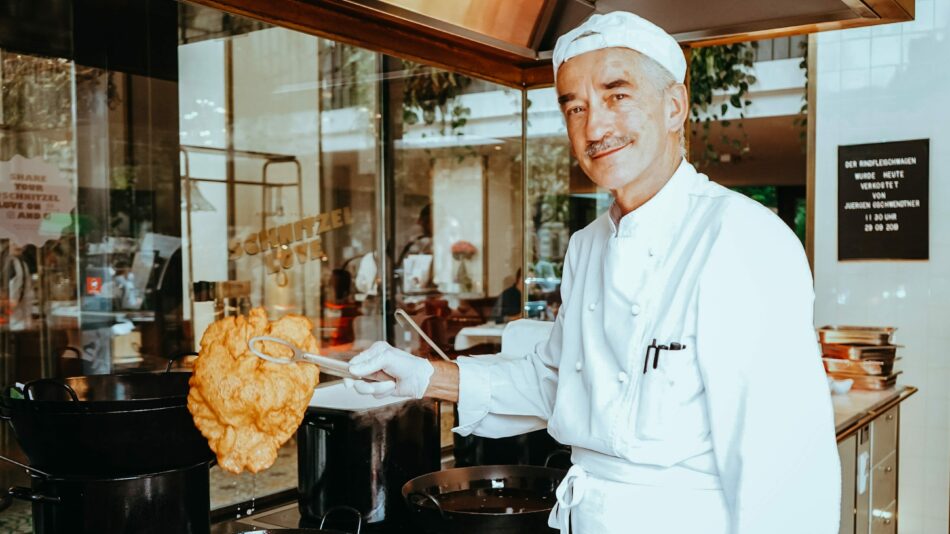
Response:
column 609, row 151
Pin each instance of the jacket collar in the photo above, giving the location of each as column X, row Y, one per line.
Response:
column 656, row 220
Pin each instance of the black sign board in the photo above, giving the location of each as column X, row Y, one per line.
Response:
column 883, row 203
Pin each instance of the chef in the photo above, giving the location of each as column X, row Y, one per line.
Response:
column 683, row 368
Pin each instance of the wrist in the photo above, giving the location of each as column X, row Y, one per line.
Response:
column 444, row 382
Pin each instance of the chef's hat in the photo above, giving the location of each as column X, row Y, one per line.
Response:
column 624, row 30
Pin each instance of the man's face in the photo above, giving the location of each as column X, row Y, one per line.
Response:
column 615, row 116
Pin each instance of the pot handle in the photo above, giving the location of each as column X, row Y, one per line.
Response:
column 24, row 494
column 70, row 348
column 414, row 499
column 354, row 511
column 553, row 454
column 28, row 388
column 321, row 423
column 180, row 355
column 8, row 392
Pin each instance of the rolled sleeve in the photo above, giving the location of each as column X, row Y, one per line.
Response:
column 474, row 391
column 501, row 396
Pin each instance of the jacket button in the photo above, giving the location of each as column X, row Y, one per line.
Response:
column 622, row 376
column 591, row 306
column 635, row 309
column 579, row 365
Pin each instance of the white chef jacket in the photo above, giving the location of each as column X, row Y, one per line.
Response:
column 743, row 409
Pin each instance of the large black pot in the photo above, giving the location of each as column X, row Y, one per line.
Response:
column 106, row 425
column 501, row 499
column 157, row 503
column 355, row 451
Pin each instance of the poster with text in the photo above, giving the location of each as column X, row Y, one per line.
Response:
column 883, row 201
column 35, row 201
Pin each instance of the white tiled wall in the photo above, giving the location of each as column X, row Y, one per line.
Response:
column 892, row 83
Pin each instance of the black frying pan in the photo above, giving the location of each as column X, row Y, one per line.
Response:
column 501, row 499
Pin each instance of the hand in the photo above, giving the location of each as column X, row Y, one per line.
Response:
column 412, row 373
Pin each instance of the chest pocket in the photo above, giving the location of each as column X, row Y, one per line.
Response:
column 669, row 396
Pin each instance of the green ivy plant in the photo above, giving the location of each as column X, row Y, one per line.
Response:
column 725, row 68
column 801, row 121
column 432, row 94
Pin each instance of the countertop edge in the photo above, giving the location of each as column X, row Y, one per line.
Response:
column 851, row 425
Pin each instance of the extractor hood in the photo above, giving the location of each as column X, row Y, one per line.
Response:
column 510, row 41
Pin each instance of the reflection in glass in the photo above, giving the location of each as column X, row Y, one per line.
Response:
column 457, row 207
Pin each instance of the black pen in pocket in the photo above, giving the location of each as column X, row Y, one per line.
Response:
column 675, row 345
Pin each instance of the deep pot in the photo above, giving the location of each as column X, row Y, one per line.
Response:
column 106, row 426
column 111, row 453
column 358, row 451
column 172, row 501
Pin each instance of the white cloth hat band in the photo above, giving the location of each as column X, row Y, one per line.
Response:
column 622, row 30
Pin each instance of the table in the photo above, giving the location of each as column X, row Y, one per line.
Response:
column 473, row 335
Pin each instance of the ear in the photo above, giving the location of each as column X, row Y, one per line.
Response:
column 677, row 107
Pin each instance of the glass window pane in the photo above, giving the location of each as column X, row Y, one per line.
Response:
column 457, row 207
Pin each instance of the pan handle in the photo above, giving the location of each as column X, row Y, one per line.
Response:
column 24, row 494
column 180, row 355
column 28, row 388
column 70, row 348
column 354, row 511
column 553, row 454
column 8, row 392
column 417, row 497
column 24, row 466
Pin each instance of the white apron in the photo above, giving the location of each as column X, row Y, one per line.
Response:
column 599, row 499
column 592, row 505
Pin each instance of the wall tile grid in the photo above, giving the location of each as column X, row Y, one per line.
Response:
column 891, row 83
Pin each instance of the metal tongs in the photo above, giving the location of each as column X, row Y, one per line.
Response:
column 330, row 366
column 403, row 318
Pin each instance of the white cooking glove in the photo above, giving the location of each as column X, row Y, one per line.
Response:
column 412, row 373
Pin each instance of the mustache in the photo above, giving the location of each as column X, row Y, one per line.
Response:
column 606, row 144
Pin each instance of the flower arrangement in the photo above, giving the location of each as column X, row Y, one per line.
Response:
column 463, row 250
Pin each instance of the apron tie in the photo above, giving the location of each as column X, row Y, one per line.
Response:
column 569, row 494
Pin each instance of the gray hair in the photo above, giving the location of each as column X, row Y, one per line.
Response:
column 662, row 80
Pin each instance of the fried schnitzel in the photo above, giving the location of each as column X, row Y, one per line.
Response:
column 246, row 406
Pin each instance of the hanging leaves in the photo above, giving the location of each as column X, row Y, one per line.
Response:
column 801, row 121
column 433, row 95
column 725, row 69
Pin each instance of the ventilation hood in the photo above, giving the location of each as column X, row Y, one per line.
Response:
column 510, row 41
